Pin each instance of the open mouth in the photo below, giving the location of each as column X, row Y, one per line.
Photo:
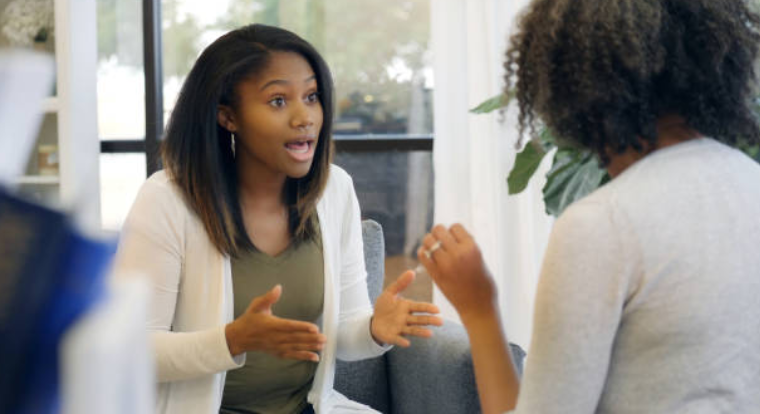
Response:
column 301, row 149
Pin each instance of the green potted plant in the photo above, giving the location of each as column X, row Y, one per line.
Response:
column 574, row 172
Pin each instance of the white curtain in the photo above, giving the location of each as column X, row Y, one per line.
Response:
column 473, row 155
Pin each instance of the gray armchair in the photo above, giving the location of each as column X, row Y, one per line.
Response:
column 432, row 376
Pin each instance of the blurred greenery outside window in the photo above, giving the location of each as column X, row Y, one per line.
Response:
column 377, row 51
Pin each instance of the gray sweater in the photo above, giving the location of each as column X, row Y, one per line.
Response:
column 649, row 295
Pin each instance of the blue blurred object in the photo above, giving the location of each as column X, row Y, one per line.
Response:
column 50, row 275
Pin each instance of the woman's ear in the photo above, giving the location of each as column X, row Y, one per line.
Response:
column 226, row 118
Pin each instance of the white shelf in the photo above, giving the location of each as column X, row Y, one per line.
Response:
column 69, row 117
column 39, row 179
column 50, row 105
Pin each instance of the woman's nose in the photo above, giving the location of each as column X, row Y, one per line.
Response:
column 303, row 118
column 303, row 123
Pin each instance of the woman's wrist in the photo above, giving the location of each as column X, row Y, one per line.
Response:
column 372, row 331
column 230, row 334
column 486, row 314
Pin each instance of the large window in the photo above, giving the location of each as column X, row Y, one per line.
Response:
column 121, row 106
column 377, row 51
column 379, row 56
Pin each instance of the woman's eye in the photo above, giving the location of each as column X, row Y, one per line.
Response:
column 278, row 102
column 313, row 97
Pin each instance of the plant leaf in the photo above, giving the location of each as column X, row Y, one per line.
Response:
column 547, row 140
column 526, row 164
column 573, row 176
column 564, row 165
column 586, row 180
column 753, row 151
column 497, row 102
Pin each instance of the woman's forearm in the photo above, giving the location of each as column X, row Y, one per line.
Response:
column 182, row 356
column 495, row 374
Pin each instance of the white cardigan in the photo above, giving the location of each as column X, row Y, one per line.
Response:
column 193, row 301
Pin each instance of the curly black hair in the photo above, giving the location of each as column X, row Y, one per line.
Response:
column 600, row 73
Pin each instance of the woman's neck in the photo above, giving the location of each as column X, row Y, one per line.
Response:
column 265, row 215
column 260, row 187
column 671, row 130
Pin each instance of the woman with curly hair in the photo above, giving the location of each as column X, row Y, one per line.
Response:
column 648, row 295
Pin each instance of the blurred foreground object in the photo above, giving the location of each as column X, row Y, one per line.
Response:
column 108, row 351
column 50, row 275
column 53, row 280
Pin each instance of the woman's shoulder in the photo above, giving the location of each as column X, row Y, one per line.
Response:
column 160, row 190
column 162, row 183
column 161, row 180
column 338, row 194
column 592, row 214
column 338, row 175
column 339, row 181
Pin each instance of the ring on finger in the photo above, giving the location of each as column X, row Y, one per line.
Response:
column 433, row 248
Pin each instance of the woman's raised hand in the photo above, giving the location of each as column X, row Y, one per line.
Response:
column 396, row 317
column 258, row 330
column 454, row 262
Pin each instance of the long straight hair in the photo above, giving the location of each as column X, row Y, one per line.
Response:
column 196, row 149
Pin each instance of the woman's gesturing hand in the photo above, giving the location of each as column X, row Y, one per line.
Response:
column 396, row 317
column 454, row 262
column 258, row 330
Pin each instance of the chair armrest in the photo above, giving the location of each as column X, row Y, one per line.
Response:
column 436, row 375
column 364, row 381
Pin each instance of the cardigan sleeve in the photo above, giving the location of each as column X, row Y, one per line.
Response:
column 354, row 337
column 152, row 246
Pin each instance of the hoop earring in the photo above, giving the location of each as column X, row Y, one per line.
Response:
column 232, row 143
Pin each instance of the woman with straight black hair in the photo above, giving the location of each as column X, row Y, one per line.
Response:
column 647, row 300
column 248, row 201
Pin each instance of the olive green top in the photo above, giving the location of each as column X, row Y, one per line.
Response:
column 267, row 384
